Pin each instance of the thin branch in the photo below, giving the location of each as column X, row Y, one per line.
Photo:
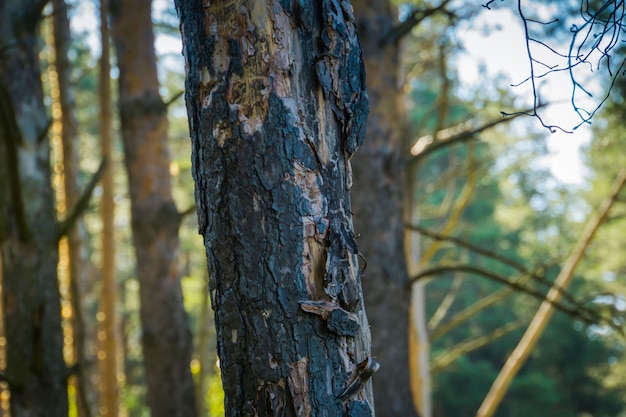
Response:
column 600, row 33
column 488, row 4
column 466, row 134
column 188, row 211
column 498, row 257
column 531, row 60
column 415, row 18
column 472, row 310
column 452, row 172
column 456, row 352
column 457, row 210
column 44, row 132
column 174, row 98
column 445, row 305
column 543, row 23
column 82, row 203
column 587, row 315
column 443, row 99
column 467, row 245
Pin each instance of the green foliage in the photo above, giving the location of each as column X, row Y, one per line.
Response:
column 215, row 395
column 519, row 211
column 459, row 390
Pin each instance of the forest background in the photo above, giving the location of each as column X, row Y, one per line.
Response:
column 485, row 202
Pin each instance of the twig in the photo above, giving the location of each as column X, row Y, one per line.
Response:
column 588, row 316
column 445, row 305
column 174, row 98
column 469, row 134
column 187, row 211
column 415, row 18
column 44, row 132
column 467, row 245
column 492, row 255
column 446, row 358
column 82, row 203
column 601, row 32
column 473, row 309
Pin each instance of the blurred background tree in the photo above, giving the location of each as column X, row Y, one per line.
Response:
column 476, row 188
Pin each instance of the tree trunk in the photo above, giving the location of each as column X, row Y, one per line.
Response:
column 166, row 335
column 109, row 393
column 276, row 103
column 35, row 371
column 204, row 333
column 378, row 211
column 77, row 255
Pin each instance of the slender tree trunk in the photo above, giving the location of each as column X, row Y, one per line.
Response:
column 77, row 254
column 378, row 211
column 35, row 371
column 155, row 220
column 276, row 103
column 109, row 394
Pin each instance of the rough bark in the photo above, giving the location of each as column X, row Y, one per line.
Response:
column 108, row 366
column 166, row 337
column 35, row 370
column 378, row 211
column 276, row 104
column 77, row 254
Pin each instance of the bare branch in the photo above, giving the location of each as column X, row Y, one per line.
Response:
column 535, row 275
column 462, row 132
column 174, row 98
column 82, row 203
column 189, row 210
column 488, row 4
column 469, row 312
column 467, row 245
column 445, row 305
column 593, row 43
column 415, row 18
column 456, row 352
column 586, row 315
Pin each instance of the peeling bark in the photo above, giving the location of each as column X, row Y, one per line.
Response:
column 276, row 104
column 35, row 370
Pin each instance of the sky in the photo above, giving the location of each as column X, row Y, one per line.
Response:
column 503, row 51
